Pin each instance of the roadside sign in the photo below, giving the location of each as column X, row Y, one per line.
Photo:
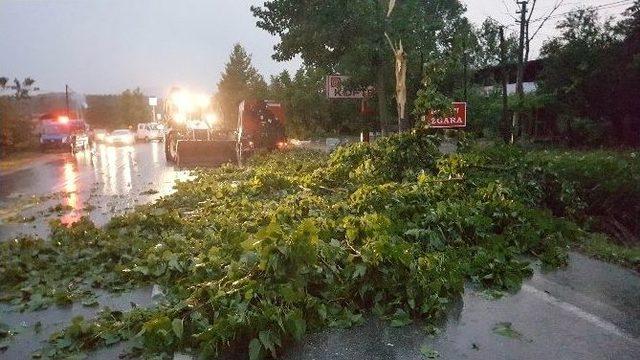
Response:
column 457, row 120
column 334, row 89
column 153, row 101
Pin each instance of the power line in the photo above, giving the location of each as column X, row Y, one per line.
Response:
column 597, row 8
column 606, row 6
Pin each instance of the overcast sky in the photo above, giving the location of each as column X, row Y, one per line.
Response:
column 106, row 46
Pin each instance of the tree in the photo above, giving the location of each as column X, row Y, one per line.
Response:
column 592, row 73
column 103, row 111
column 309, row 112
column 15, row 127
column 133, row 108
column 488, row 48
column 348, row 37
column 239, row 81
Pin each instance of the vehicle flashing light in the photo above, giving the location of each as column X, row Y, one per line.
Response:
column 203, row 101
column 180, row 118
column 211, row 118
column 63, row 119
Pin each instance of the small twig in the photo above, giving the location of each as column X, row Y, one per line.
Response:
column 459, row 178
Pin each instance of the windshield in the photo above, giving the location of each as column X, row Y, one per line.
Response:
column 54, row 130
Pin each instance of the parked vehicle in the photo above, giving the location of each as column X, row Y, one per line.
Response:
column 120, row 137
column 61, row 132
column 149, row 132
column 100, row 135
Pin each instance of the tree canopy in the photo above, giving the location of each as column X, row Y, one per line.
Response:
column 240, row 80
column 347, row 37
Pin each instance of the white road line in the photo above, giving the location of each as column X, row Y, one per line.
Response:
column 593, row 319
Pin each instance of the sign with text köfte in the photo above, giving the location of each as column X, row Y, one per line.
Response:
column 457, row 119
column 335, row 89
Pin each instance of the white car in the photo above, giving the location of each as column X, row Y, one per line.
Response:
column 120, row 137
column 149, row 131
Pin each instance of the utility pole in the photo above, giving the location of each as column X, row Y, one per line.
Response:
column 464, row 66
column 520, row 75
column 66, row 97
column 505, row 80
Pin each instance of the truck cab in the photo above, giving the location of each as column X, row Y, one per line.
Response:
column 61, row 132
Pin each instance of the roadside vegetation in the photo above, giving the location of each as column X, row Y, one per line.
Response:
column 252, row 258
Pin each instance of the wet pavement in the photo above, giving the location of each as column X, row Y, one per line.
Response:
column 100, row 183
column 590, row 310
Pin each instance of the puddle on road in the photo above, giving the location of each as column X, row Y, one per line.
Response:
column 109, row 182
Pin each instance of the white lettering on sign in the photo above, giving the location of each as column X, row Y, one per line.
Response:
column 335, row 89
column 457, row 120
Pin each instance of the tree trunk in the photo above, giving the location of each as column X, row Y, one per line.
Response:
column 382, row 98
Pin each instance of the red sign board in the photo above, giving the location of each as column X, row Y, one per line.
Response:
column 335, row 90
column 456, row 120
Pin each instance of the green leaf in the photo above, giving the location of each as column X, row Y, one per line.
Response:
column 266, row 338
column 90, row 303
column 360, row 270
column 401, row 318
column 255, row 349
column 428, row 352
column 110, row 338
column 505, row 329
column 178, row 327
column 298, row 327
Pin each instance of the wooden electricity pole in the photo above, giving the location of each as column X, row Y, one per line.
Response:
column 505, row 80
column 520, row 75
column 66, row 99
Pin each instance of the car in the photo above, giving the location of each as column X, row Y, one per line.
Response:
column 120, row 137
column 100, row 135
column 149, row 132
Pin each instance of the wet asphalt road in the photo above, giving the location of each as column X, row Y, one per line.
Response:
column 99, row 183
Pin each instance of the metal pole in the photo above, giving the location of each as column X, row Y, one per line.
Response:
column 66, row 96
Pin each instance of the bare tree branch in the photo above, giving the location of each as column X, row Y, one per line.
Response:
column 543, row 20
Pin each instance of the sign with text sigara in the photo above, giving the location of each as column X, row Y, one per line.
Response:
column 457, row 119
column 335, row 89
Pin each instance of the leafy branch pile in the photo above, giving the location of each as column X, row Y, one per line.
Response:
column 251, row 258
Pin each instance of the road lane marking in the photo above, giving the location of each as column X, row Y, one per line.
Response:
column 593, row 319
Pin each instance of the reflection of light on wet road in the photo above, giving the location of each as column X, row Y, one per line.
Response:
column 70, row 178
column 127, row 153
column 110, row 160
column 154, row 152
column 102, row 183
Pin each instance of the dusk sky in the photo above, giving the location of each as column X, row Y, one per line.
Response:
column 106, row 46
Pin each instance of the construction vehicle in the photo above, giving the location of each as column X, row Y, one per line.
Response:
column 195, row 134
column 260, row 126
